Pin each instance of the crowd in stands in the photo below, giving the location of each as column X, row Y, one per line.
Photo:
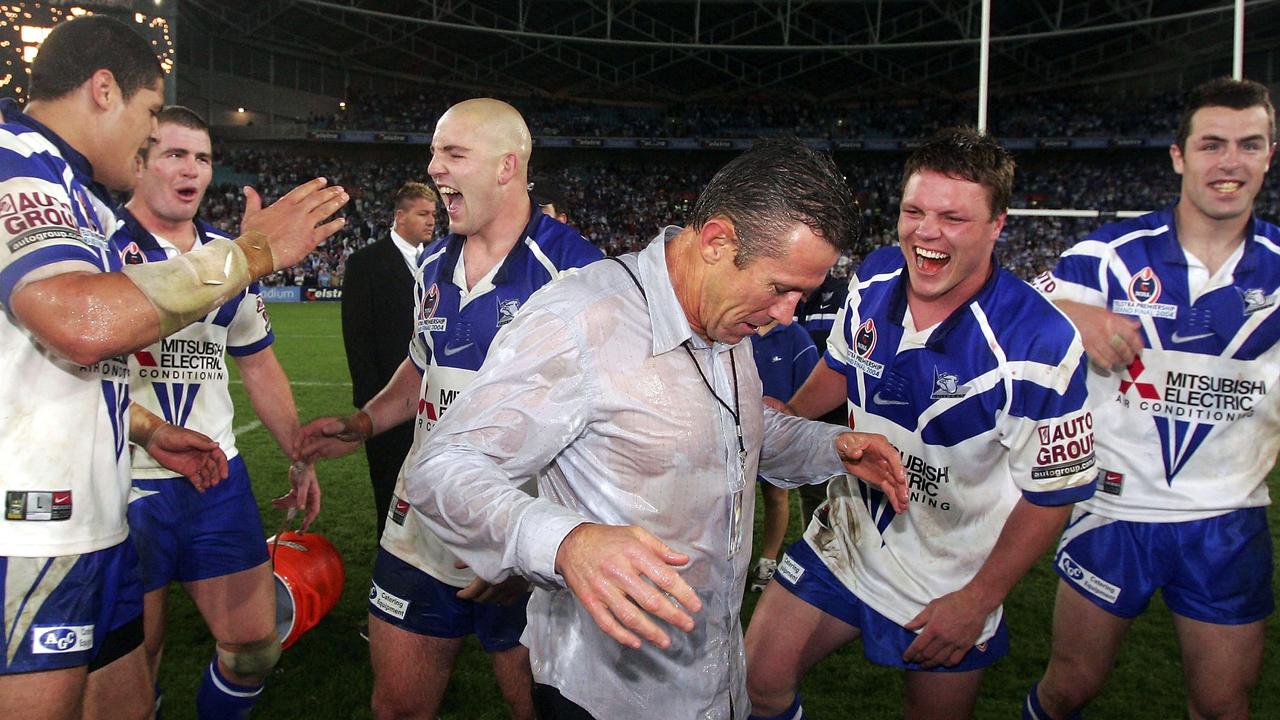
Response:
column 1039, row 115
column 620, row 207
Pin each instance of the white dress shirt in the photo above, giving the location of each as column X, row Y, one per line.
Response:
column 410, row 252
column 590, row 391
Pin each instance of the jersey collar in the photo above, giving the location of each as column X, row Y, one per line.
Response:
column 453, row 248
column 1173, row 254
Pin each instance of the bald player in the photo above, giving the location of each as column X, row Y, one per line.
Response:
column 469, row 285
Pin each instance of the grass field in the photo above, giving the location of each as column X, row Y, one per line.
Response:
column 327, row 674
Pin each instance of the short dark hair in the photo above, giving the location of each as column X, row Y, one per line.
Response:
column 183, row 117
column 766, row 190
column 963, row 153
column 411, row 191
column 78, row 48
column 1229, row 93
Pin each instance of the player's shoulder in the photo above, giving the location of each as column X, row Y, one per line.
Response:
column 561, row 242
column 880, row 264
column 1025, row 322
column 212, row 232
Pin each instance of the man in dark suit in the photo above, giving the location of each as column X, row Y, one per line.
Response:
column 377, row 322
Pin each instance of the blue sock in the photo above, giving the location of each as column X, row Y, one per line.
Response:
column 793, row 712
column 221, row 699
column 1033, row 710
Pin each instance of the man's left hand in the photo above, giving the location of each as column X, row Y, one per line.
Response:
column 874, row 460
column 190, row 454
column 951, row 625
column 304, row 493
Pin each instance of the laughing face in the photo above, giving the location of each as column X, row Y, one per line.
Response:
column 466, row 169
column 947, row 234
column 1225, row 160
column 178, row 170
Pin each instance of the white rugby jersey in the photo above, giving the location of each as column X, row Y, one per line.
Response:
column 1191, row 428
column 183, row 378
column 451, row 341
column 985, row 407
column 63, row 426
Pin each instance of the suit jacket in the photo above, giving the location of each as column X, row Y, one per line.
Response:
column 377, row 316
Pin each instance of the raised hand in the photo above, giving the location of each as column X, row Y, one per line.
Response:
column 285, row 232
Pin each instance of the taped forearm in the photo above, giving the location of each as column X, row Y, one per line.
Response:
column 143, row 425
column 184, row 289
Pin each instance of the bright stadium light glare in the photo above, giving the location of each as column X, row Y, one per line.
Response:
column 239, row 110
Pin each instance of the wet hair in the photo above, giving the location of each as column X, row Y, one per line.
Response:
column 1228, row 93
column 411, row 191
column 78, row 48
column 963, row 153
column 766, row 190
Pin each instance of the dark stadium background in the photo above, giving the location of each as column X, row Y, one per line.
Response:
column 633, row 105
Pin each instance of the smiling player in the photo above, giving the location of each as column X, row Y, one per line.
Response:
column 980, row 384
column 1177, row 309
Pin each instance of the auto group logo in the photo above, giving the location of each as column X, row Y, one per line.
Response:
column 1144, row 287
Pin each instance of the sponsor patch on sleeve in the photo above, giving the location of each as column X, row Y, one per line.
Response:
column 33, row 211
column 1065, row 447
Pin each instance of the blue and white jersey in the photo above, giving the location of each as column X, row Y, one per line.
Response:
column 1192, row 427
column 817, row 313
column 63, row 426
column 986, row 407
column 784, row 358
column 183, row 377
column 451, row 340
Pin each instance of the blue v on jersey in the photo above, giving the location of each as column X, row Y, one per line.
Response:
column 985, row 407
column 451, row 340
column 1191, row 428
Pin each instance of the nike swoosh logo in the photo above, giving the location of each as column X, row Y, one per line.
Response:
column 449, row 350
column 881, row 401
column 1179, row 338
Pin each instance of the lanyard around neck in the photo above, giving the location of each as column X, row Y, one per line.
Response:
column 735, row 411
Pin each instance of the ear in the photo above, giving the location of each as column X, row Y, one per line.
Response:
column 717, row 240
column 103, row 89
column 999, row 226
column 508, row 168
column 1175, row 154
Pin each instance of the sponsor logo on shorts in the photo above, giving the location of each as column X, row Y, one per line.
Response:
column 55, row 639
column 37, row 505
column 790, row 570
column 1086, row 580
column 388, row 603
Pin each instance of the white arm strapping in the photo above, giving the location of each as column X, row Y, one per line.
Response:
column 185, row 288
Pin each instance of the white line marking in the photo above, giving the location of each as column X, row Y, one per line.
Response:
column 246, row 428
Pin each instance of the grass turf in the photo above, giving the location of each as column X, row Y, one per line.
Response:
column 327, row 674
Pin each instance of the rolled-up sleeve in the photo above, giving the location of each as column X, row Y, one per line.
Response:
column 532, row 397
column 797, row 451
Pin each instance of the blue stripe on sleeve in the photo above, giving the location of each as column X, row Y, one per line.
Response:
column 1065, row 496
column 12, row 274
column 243, row 350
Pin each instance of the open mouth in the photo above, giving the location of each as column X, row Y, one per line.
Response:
column 1226, row 187
column 452, row 198
column 187, row 194
column 930, row 261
